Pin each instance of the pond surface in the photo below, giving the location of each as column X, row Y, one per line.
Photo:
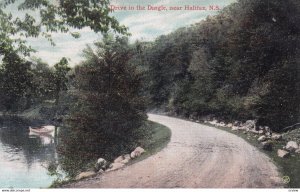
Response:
column 24, row 158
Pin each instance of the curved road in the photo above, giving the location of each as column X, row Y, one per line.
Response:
column 197, row 156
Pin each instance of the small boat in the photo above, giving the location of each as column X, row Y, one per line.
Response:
column 40, row 130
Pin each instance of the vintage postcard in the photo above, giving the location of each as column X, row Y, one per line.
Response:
column 200, row 94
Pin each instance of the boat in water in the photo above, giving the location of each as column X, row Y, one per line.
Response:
column 41, row 130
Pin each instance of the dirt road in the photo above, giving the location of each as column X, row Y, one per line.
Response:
column 197, row 156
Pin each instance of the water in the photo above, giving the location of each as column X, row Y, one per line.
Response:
column 24, row 159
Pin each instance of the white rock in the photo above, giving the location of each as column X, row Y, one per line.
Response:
column 254, row 131
column 297, row 151
column 127, row 156
column 222, row 124
column 137, row 152
column 101, row 164
column 85, row 175
column 101, row 161
column 276, row 137
column 282, row 153
column 125, row 161
column 115, row 166
column 262, row 138
column 119, row 159
column 292, row 146
column 236, row 123
column 261, row 132
column 133, row 155
column 235, row 128
column 214, row 122
column 250, row 124
column 229, row 125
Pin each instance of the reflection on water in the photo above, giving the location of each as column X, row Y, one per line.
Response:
column 24, row 158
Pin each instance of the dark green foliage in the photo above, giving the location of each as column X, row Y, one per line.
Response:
column 15, row 80
column 61, row 70
column 239, row 64
column 109, row 109
column 43, row 86
column 27, row 83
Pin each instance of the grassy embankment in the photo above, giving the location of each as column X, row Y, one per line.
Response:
column 156, row 137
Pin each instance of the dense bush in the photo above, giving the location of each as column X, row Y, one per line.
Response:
column 109, row 110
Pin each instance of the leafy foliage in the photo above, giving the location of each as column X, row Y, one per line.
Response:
column 109, row 109
column 15, row 79
column 43, row 17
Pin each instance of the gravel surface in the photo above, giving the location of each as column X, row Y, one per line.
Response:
column 197, row 156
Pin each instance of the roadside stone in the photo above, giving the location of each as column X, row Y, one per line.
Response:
column 276, row 137
column 115, row 166
column 101, row 164
column 261, row 132
column 222, row 124
column 241, row 128
column 236, row 123
column 229, row 125
column 124, row 161
column 262, row 138
column 119, row 159
column 297, row 151
column 250, row 124
column 254, row 131
column 85, row 175
column 282, row 153
column 267, row 145
column 234, row 128
column 137, row 152
column 214, row 122
column 127, row 156
column 292, row 146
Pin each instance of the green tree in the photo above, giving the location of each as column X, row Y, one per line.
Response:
column 60, row 76
column 109, row 108
column 15, row 81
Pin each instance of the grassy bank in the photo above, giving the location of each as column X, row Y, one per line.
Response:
column 289, row 166
column 157, row 137
column 154, row 139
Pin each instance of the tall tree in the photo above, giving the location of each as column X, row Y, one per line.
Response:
column 60, row 76
column 15, row 81
column 109, row 108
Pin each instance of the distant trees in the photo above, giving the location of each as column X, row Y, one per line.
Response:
column 41, row 19
column 239, row 64
column 109, row 108
column 26, row 83
column 61, row 70
column 43, row 82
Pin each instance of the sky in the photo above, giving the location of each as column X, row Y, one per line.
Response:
column 143, row 25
